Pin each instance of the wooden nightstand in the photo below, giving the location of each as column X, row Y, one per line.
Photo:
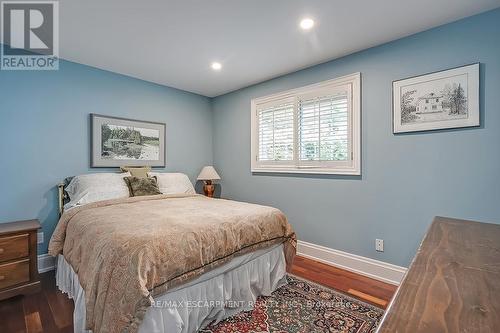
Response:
column 18, row 258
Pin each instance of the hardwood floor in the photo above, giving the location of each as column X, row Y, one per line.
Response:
column 47, row 311
column 359, row 286
column 50, row 311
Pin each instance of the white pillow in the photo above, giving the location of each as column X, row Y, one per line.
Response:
column 173, row 183
column 94, row 187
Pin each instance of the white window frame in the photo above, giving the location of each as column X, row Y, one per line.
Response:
column 350, row 167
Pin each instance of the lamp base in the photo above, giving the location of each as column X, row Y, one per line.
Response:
column 209, row 189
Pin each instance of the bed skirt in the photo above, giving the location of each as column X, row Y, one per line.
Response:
column 215, row 295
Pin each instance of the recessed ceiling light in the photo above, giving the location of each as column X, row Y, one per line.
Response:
column 216, row 66
column 306, row 23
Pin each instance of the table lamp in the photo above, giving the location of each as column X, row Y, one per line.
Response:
column 208, row 174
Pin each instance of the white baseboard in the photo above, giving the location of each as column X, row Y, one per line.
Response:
column 372, row 268
column 46, row 263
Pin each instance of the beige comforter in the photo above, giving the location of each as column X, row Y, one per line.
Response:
column 127, row 250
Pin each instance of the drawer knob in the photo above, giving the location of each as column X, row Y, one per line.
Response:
column 1, row 250
column 2, row 277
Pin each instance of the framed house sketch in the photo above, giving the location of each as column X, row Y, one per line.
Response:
column 445, row 99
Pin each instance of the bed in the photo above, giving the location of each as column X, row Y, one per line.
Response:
column 167, row 263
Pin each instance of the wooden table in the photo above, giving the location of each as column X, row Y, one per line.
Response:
column 453, row 284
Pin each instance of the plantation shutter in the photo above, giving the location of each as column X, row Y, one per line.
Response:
column 314, row 129
column 323, row 127
column 276, row 132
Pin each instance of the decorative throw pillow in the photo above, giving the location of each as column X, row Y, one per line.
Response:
column 140, row 172
column 142, row 186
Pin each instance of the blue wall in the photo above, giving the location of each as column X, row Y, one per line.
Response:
column 44, row 126
column 406, row 179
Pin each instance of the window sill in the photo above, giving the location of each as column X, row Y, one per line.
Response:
column 310, row 171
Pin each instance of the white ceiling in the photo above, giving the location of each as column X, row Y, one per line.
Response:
column 174, row 42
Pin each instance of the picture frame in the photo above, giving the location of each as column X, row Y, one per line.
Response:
column 439, row 100
column 119, row 142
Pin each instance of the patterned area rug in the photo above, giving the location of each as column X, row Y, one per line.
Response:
column 300, row 307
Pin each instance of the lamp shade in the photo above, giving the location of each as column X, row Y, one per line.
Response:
column 208, row 173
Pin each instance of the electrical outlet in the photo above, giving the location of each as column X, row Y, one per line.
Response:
column 40, row 237
column 379, row 245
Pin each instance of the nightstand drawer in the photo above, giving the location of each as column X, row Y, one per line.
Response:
column 18, row 260
column 14, row 273
column 14, row 247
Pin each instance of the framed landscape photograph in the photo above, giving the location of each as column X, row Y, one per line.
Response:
column 126, row 142
column 445, row 99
